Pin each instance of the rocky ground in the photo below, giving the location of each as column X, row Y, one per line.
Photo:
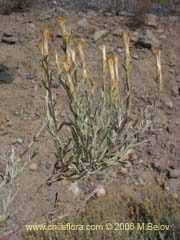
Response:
column 21, row 108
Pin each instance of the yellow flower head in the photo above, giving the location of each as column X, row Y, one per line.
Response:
column 103, row 49
column 111, row 66
column 40, row 45
column 67, row 66
column 125, row 36
column 59, row 19
column 46, row 33
column 67, row 37
column 43, row 44
column 157, row 53
column 116, row 60
column 82, row 59
column 79, row 47
column 60, row 23
column 112, row 74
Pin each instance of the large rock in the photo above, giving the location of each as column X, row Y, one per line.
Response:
column 167, row 101
column 5, row 75
column 148, row 40
column 173, row 185
column 117, row 31
column 99, row 34
column 92, row 13
column 151, row 20
column 9, row 39
column 83, row 23
column 134, row 36
column 174, row 19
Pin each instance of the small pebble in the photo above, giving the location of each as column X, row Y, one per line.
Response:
column 100, row 191
column 133, row 157
column 158, row 166
column 50, row 196
column 59, row 34
column 33, row 166
column 174, row 173
column 9, row 39
column 141, row 181
column 136, row 57
column 10, row 223
column 100, row 177
column 124, row 170
column 151, row 152
column 75, row 189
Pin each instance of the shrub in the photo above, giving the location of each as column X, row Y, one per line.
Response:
column 159, row 208
column 138, row 7
column 98, row 134
column 8, row 6
column 126, row 216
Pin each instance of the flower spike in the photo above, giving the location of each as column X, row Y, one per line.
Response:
column 157, row 53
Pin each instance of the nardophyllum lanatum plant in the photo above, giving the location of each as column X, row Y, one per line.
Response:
column 99, row 134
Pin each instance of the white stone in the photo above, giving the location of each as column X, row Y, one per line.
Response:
column 100, row 191
column 33, row 166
